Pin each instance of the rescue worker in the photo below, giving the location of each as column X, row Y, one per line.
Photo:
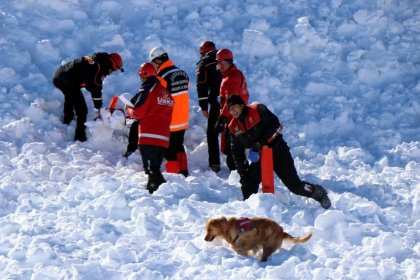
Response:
column 153, row 110
column 86, row 72
column 177, row 84
column 252, row 127
column 208, row 86
column 233, row 83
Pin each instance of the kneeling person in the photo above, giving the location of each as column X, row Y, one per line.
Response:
column 252, row 127
column 153, row 110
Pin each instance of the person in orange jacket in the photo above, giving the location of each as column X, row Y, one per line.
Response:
column 153, row 110
column 178, row 85
column 233, row 83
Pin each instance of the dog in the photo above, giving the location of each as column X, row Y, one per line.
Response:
column 248, row 236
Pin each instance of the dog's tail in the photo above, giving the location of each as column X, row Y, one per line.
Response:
column 297, row 240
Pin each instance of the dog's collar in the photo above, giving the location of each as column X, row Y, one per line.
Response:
column 236, row 238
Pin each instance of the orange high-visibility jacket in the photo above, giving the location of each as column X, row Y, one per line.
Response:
column 177, row 84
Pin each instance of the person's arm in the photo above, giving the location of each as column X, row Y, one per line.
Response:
column 140, row 106
column 202, row 86
column 238, row 153
column 269, row 122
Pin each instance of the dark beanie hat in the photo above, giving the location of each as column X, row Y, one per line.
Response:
column 233, row 100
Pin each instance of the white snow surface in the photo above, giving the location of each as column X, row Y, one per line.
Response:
column 343, row 77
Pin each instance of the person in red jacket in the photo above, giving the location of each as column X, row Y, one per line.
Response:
column 233, row 83
column 252, row 127
column 153, row 110
column 86, row 72
column 177, row 84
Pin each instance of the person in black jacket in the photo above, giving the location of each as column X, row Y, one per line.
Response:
column 86, row 72
column 208, row 86
column 252, row 127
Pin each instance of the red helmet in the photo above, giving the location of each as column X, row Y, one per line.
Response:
column 207, row 46
column 146, row 70
column 224, row 54
column 116, row 61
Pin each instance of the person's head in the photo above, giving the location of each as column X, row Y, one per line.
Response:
column 224, row 59
column 236, row 105
column 147, row 70
column 158, row 55
column 116, row 62
column 207, row 46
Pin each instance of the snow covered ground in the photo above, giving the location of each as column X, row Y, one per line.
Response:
column 343, row 77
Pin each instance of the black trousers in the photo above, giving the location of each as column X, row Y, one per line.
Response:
column 284, row 167
column 73, row 102
column 176, row 145
column 133, row 137
column 213, row 136
column 152, row 157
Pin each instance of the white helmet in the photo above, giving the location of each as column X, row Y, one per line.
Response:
column 156, row 52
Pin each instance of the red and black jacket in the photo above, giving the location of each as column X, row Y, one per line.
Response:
column 256, row 125
column 208, row 80
column 86, row 72
column 153, row 109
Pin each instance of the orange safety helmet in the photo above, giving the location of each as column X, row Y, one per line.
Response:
column 116, row 61
column 224, row 54
column 207, row 46
column 146, row 70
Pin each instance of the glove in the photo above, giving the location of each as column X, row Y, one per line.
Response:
column 219, row 127
column 253, row 155
column 97, row 115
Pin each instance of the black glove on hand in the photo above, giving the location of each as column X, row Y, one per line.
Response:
column 219, row 127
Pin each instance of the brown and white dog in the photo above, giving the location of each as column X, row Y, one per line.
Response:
column 248, row 236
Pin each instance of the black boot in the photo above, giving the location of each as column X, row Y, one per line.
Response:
column 184, row 172
column 80, row 134
column 155, row 180
column 320, row 195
